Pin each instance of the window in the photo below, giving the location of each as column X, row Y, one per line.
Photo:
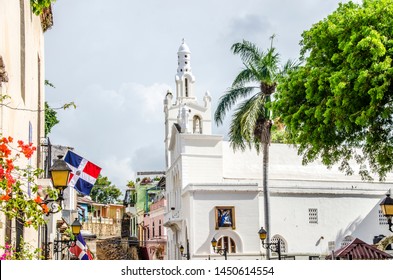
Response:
column 186, row 85
column 148, row 233
column 159, row 229
column 153, row 228
column 346, row 241
column 313, row 215
column 197, row 125
column 381, row 218
column 275, row 239
column 225, row 217
column 227, row 242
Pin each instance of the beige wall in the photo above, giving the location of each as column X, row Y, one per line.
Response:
column 15, row 122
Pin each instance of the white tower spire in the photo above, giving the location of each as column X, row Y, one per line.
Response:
column 184, row 78
column 183, row 58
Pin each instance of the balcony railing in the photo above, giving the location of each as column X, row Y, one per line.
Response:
column 100, row 220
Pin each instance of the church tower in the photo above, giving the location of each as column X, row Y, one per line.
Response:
column 185, row 80
column 189, row 116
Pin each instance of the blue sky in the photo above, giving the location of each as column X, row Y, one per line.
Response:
column 117, row 59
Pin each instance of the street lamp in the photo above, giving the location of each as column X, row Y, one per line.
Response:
column 182, row 251
column 187, row 255
column 272, row 246
column 221, row 251
column 387, row 209
column 60, row 173
column 60, row 245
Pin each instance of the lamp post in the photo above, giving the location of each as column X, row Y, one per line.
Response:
column 387, row 209
column 59, row 173
column 187, row 255
column 60, row 245
column 221, row 251
column 182, row 251
column 272, row 246
column 59, row 176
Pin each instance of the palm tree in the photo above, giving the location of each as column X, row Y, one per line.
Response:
column 252, row 121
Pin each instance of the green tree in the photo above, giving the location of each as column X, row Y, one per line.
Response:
column 50, row 113
column 251, row 122
column 50, row 118
column 338, row 105
column 104, row 192
column 38, row 6
column 130, row 184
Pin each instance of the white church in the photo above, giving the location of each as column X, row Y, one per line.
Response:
column 214, row 192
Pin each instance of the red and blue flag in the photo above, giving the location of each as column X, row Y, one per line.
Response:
column 80, row 249
column 84, row 173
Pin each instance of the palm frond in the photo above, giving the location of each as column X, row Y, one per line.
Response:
column 247, row 51
column 289, row 66
column 243, row 123
column 229, row 99
column 245, row 76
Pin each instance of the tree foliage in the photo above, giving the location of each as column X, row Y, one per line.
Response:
column 50, row 113
column 338, row 105
column 38, row 6
column 104, row 192
column 50, row 118
column 251, row 91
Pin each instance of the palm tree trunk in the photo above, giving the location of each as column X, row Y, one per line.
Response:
column 265, row 171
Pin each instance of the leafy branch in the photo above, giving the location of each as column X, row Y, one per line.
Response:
column 38, row 6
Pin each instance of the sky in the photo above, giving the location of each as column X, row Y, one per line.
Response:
column 117, row 59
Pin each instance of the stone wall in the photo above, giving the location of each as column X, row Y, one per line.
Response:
column 114, row 249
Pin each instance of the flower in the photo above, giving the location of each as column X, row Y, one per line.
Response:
column 26, row 149
column 45, row 208
column 5, row 197
column 38, row 199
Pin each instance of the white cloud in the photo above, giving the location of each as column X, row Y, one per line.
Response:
column 117, row 61
column 110, row 126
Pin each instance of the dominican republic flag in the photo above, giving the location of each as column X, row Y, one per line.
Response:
column 84, row 173
column 80, row 249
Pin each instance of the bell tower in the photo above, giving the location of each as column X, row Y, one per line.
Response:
column 184, row 78
column 183, row 109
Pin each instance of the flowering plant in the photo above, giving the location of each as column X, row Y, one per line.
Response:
column 26, row 252
column 18, row 190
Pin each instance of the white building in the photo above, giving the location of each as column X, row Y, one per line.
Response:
column 214, row 192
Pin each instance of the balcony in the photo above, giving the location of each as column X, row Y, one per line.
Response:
column 131, row 210
column 173, row 220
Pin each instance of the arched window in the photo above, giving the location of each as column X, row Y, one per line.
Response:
column 227, row 242
column 197, row 128
column 283, row 243
column 186, row 86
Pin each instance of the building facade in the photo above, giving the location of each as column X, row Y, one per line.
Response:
column 215, row 192
column 22, row 81
column 145, row 207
